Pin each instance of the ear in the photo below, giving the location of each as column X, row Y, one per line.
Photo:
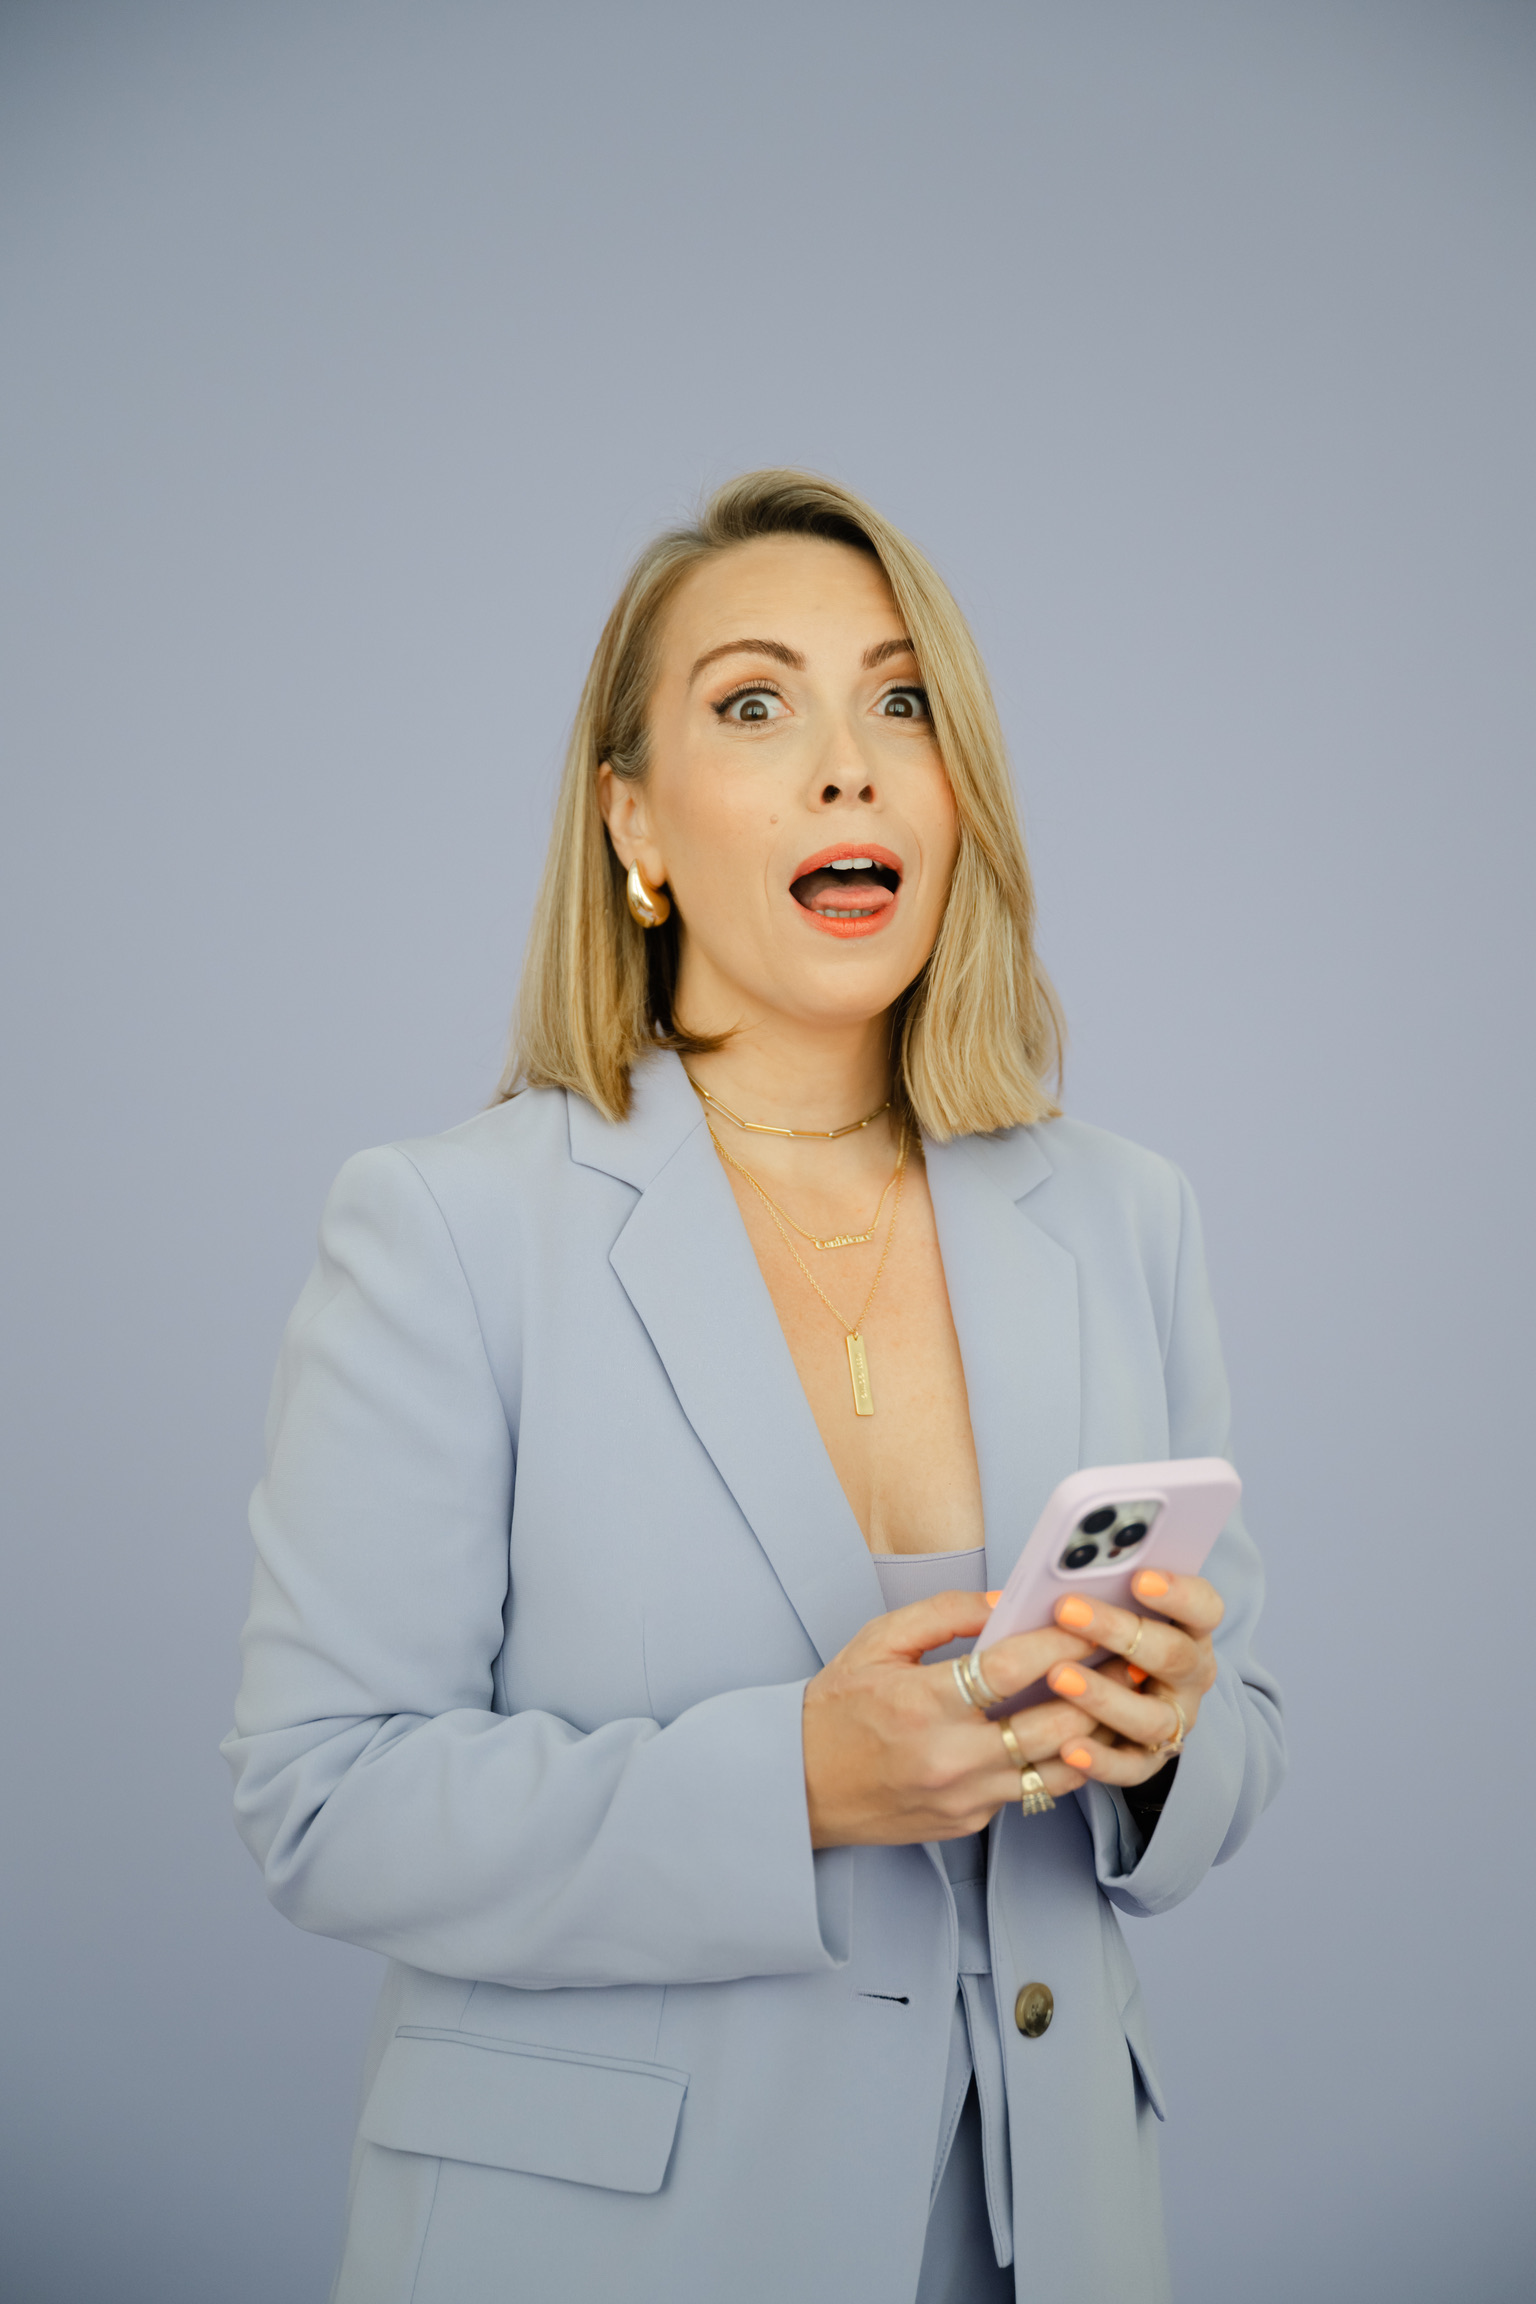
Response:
column 624, row 812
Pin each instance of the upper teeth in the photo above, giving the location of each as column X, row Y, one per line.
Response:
column 853, row 863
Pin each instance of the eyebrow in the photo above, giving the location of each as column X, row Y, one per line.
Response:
column 881, row 653
column 774, row 648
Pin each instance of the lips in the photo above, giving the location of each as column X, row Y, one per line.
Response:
column 850, row 890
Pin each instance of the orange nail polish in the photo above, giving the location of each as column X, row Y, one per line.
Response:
column 1079, row 1757
column 1135, row 1675
column 1150, row 1585
column 991, row 1598
column 1076, row 1614
column 1066, row 1682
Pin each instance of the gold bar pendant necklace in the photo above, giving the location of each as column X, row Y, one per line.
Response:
column 858, row 1369
column 858, row 1357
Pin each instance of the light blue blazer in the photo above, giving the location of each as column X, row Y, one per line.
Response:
column 548, row 1546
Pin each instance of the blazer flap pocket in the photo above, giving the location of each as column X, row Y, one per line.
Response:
column 1134, row 2017
column 545, row 2111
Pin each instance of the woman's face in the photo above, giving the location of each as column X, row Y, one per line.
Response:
column 795, row 804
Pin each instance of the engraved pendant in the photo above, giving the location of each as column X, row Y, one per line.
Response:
column 858, row 1369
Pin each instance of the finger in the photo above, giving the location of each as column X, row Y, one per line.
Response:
column 1012, row 1665
column 1001, row 1781
column 1189, row 1600
column 1162, row 1650
column 1146, row 1719
column 989, row 1776
column 969, row 1773
column 1088, row 1751
column 1127, row 1675
column 974, row 1758
column 1039, row 1732
column 1002, row 1791
column 907, row 1634
column 1118, row 1764
column 1055, row 1775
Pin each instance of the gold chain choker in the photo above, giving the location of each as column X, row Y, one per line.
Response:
column 762, row 1127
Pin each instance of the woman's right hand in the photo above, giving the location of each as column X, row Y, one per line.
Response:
column 893, row 1753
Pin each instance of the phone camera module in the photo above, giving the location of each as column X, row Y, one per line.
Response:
column 1105, row 1534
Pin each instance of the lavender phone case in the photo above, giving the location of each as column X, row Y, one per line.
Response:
column 1181, row 1506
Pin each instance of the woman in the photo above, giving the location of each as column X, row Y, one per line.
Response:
column 639, row 1448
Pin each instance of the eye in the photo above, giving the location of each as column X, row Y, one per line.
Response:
column 751, row 707
column 904, row 704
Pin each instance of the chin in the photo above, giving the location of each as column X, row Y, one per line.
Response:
column 853, row 990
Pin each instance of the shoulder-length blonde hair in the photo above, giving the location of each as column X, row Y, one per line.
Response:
column 976, row 1033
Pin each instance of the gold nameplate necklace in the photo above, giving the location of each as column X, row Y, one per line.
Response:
column 835, row 1239
column 858, row 1357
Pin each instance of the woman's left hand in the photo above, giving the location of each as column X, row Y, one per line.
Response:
column 1149, row 1698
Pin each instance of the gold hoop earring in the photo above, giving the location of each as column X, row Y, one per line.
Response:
column 649, row 905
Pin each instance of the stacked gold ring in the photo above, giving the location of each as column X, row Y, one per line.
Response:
column 1034, row 1799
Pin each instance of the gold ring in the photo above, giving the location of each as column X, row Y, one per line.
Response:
column 1175, row 1744
column 1013, row 1747
column 1141, row 1625
column 1033, row 1796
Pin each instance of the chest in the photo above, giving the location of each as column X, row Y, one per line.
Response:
column 694, row 1498
column 909, row 1469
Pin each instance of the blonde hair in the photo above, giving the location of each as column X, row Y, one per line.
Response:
column 974, row 1035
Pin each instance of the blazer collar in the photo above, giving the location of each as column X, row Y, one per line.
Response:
column 684, row 1260
column 663, row 1113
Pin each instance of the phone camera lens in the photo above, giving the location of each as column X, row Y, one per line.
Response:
column 1080, row 1556
column 1097, row 1522
column 1132, row 1533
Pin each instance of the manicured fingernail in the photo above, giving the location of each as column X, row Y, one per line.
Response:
column 1079, row 1757
column 991, row 1598
column 1066, row 1682
column 1076, row 1613
column 1135, row 1675
column 1150, row 1585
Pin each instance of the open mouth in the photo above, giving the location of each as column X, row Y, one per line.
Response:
column 848, row 889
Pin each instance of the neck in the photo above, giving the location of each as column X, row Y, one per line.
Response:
column 788, row 1071
column 786, row 1075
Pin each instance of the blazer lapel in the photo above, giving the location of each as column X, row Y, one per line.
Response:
column 686, row 1265
column 1013, row 1293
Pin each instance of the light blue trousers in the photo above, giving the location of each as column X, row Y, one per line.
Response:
column 959, row 2262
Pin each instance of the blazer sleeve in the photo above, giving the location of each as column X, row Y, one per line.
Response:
column 386, row 1799
column 1233, row 1764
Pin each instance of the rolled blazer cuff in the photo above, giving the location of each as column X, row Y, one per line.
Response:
column 387, row 1800
column 1232, row 1765
column 1226, row 1775
column 518, row 1851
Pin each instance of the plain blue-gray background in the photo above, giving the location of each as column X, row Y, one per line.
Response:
column 351, row 350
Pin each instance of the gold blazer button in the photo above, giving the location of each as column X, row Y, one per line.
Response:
column 1033, row 2009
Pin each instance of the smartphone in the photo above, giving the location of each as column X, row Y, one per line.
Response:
column 1102, row 1527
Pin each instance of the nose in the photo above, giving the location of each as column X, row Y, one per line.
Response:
column 844, row 767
